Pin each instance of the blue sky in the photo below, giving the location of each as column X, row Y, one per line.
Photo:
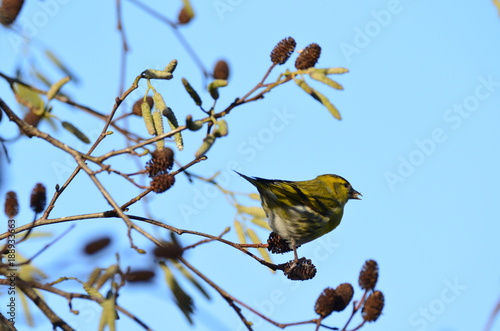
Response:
column 419, row 139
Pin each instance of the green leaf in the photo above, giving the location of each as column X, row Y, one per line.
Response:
column 220, row 129
column 182, row 299
column 303, row 85
column 254, row 196
column 330, row 71
column 319, row 97
column 108, row 274
column 56, row 87
column 94, row 275
column 50, row 120
column 190, row 277
column 158, row 122
column 253, row 211
column 213, row 87
column 92, row 291
column 29, row 272
column 331, row 108
column 148, row 117
column 58, row 63
column 253, row 236
column 161, row 106
column 156, row 74
column 26, row 309
column 256, row 240
column 172, row 122
column 42, row 78
column 497, row 4
column 109, row 315
column 240, row 232
column 192, row 92
column 208, row 141
column 193, row 125
column 75, row 131
column 171, row 66
column 325, row 80
column 30, row 99
column 263, row 223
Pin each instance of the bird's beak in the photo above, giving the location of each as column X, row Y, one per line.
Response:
column 355, row 195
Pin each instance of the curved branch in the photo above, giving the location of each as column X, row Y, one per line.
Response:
column 70, row 296
column 112, row 213
column 31, row 131
column 46, row 310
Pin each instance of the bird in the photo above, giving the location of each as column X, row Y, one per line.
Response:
column 302, row 211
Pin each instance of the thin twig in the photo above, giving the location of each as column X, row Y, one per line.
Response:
column 70, row 296
column 28, row 261
column 108, row 214
column 359, row 326
column 68, row 101
column 492, row 316
column 108, row 169
column 260, row 84
column 27, row 233
column 6, row 324
column 42, row 305
column 148, row 190
column 143, row 143
column 137, row 198
column 230, row 299
column 125, row 49
column 31, row 131
column 356, row 305
column 115, row 206
column 190, row 164
column 204, row 241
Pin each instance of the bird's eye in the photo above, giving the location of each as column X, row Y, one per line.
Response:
column 346, row 185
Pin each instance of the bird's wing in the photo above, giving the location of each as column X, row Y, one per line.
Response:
column 288, row 194
column 296, row 196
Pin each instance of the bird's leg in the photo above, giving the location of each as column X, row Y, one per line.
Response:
column 296, row 256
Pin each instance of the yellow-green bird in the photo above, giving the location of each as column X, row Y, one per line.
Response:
column 304, row 210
